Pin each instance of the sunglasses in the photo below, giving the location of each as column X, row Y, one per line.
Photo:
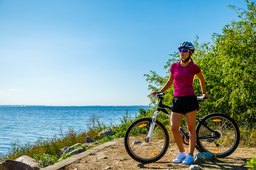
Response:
column 184, row 50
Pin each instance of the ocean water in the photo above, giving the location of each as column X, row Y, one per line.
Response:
column 26, row 124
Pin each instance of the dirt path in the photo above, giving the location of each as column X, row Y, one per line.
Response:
column 115, row 157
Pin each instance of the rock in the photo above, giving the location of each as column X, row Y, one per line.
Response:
column 62, row 150
column 88, row 139
column 86, row 145
column 204, row 156
column 101, row 158
column 136, row 142
column 92, row 154
column 73, row 147
column 107, row 132
column 123, row 159
column 89, row 145
column 109, row 167
column 15, row 165
column 194, row 167
column 77, row 151
column 28, row 160
column 72, row 150
column 98, row 159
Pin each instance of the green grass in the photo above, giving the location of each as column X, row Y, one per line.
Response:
column 46, row 152
column 251, row 163
column 248, row 137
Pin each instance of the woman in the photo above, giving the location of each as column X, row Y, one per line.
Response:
column 184, row 101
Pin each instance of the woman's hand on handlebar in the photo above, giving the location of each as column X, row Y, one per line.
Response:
column 205, row 96
column 154, row 93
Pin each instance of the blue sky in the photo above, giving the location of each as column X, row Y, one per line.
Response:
column 95, row 52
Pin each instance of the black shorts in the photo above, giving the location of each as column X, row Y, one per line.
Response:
column 185, row 104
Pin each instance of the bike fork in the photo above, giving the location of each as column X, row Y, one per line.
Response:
column 152, row 126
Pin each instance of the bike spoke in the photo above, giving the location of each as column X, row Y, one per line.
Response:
column 218, row 134
column 140, row 147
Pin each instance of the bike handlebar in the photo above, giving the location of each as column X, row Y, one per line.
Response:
column 199, row 98
column 159, row 94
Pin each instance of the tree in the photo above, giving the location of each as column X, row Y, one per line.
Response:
column 229, row 67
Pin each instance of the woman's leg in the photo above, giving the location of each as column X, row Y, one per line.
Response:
column 175, row 124
column 191, row 122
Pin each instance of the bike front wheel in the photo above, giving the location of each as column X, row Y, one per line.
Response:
column 139, row 147
column 218, row 133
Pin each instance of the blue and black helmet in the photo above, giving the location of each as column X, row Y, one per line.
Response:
column 187, row 45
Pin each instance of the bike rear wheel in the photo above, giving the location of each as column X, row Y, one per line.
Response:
column 218, row 133
column 139, row 148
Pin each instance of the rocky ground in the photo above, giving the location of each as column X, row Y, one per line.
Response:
column 115, row 157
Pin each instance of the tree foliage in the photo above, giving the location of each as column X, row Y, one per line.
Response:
column 229, row 68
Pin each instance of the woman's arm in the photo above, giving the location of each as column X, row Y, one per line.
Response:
column 202, row 82
column 167, row 84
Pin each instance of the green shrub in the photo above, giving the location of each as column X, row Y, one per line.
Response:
column 46, row 159
column 247, row 136
column 252, row 163
column 106, row 138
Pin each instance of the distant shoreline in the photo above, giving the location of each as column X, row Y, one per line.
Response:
column 75, row 106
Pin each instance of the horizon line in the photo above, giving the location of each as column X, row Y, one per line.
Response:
column 22, row 105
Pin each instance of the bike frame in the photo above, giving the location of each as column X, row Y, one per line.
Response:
column 162, row 108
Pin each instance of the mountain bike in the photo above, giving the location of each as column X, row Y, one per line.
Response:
column 147, row 139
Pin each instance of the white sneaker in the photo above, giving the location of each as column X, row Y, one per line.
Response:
column 189, row 160
column 179, row 158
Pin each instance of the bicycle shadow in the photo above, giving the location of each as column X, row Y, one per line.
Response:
column 225, row 163
column 162, row 165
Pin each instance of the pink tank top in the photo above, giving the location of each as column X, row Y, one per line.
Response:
column 183, row 78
